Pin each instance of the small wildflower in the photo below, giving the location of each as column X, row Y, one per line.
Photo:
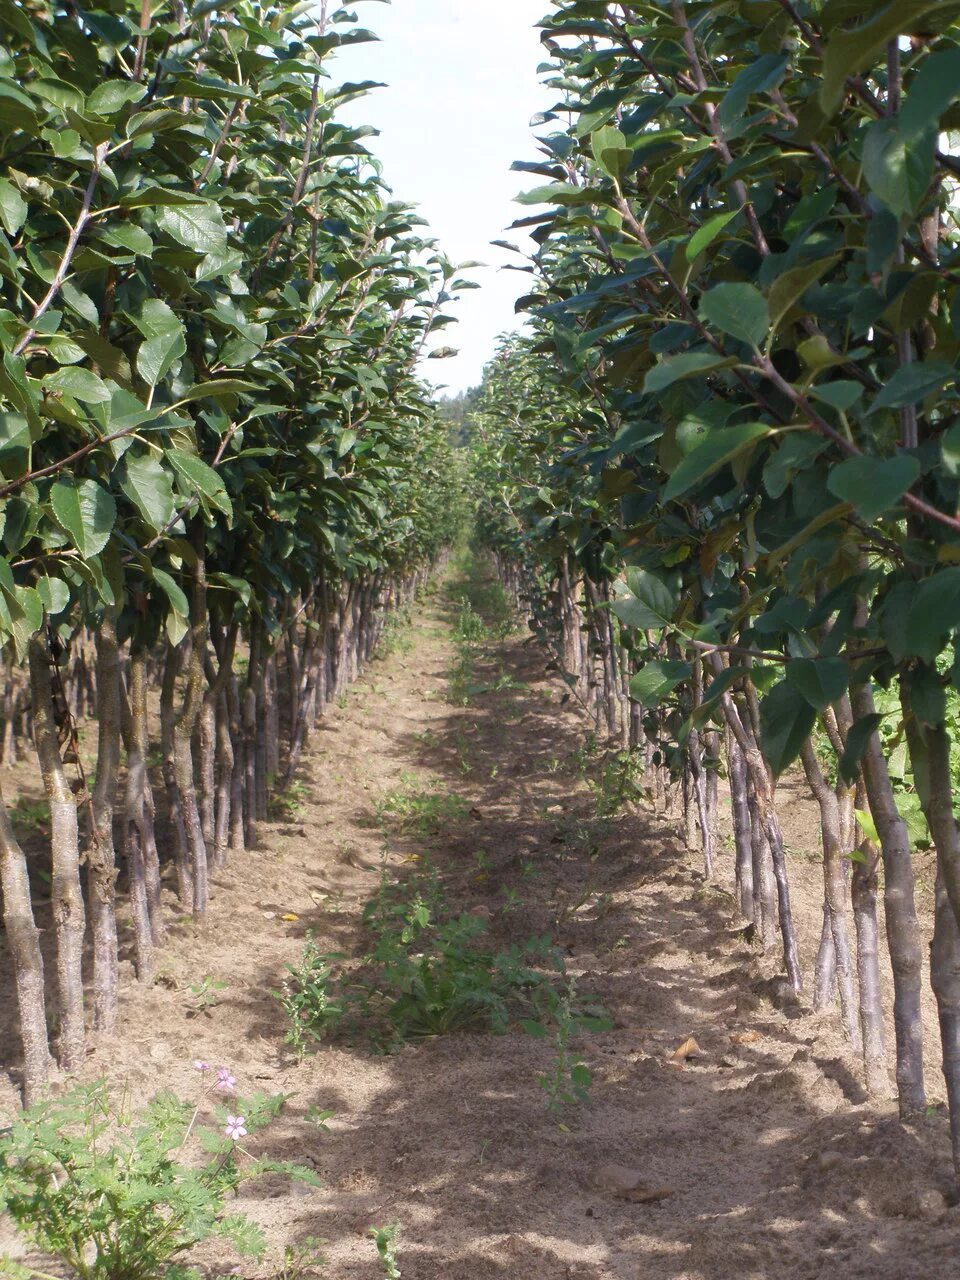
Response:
column 200, row 1065
column 225, row 1081
column 234, row 1127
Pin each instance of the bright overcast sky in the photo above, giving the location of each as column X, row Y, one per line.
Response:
column 462, row 88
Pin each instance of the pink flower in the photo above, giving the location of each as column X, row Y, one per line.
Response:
column 199, row 1065
column 225, row 1080
column 234, row 1128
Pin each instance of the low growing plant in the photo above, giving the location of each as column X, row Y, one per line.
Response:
column 113, row 1195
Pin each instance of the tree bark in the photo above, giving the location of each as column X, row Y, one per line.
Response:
column 23, row 939
column 68, row 909
column 102, row 856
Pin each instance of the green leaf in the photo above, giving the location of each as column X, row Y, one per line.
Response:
column 926, row 695
column 932, row 90
column 656, row 680
column 821, row 681
column 786, row 721
column 705, row 235
column 739, row 310
column 165, row 340
column 645, row 601
column 858, row 739
column 792, row 285
column 197, row 226
column 935, row 612
column 912, row 382
column 216, row 389
column 610, row 150
column 850, row 52
column 898, row 168
column 13, row 208
column 79, row 383
column 201, row 479
column 113, row 95
column 867, row 825
column 86, row 512
column 148, row 486
column 54, row 593
column 690, row 364
column 720, row 447
column 178, row 600
column 873, row 485
column 762, row 73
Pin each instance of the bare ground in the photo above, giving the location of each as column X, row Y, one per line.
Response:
column 770, row 1161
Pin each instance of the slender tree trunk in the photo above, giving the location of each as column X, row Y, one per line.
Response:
column 183, row 741
column 168, row 719
column 930, row 752
column 68, row 910
column 23, row 939
column 145, row 904
column 740, row 812
column 864, row 897
column 903, row 929
column 102, row 857
column 835, row 889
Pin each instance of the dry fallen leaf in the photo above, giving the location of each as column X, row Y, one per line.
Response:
column 746, row 1037
column 289, row 917
column 689, row 1049
column 647, row 1195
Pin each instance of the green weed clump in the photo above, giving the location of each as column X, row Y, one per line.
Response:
column 420, row 810
column 117, row 1196
column 428, row 973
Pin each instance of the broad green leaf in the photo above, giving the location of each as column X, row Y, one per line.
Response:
column 79, row 383
column 935, row 612
column 873, row 485
column 849, row 52
column 858, row 739
column 822, row 681
column 198, row 226
column 927, row 695
column 656, row 680
column 13, row 207
column 739, row 310
column 54, row 593
column 690, row 364
column 867, row 825
column 201, row 479
column 911, row 383
column 792, row 285
column 705, row 236
column 86, row 512
column 148, row 486
column 763, row 73
column 932, row 90
column 786, row 721
column 174, row 593
column 720, row 447
column 897, row 166
column 113, row 96
column 645, row 601
column 217, row 389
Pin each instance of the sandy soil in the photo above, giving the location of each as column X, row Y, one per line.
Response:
column 769, row 1160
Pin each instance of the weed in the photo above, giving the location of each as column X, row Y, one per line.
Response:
column 31, row 816
column 204, row 995
column 108, row 1193
column 427, row 974
column 289, row 804
column 569, row 1079
column 385, row 1239
column 416, row 809
column 307, row 1000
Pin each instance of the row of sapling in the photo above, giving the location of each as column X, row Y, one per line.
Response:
column 218, row 469
column 734, row 421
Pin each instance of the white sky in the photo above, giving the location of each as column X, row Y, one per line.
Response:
column 462, row 88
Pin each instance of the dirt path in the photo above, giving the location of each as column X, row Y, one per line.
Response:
column 769, row 1162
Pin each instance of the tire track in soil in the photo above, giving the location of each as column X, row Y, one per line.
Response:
column 774, row 1166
